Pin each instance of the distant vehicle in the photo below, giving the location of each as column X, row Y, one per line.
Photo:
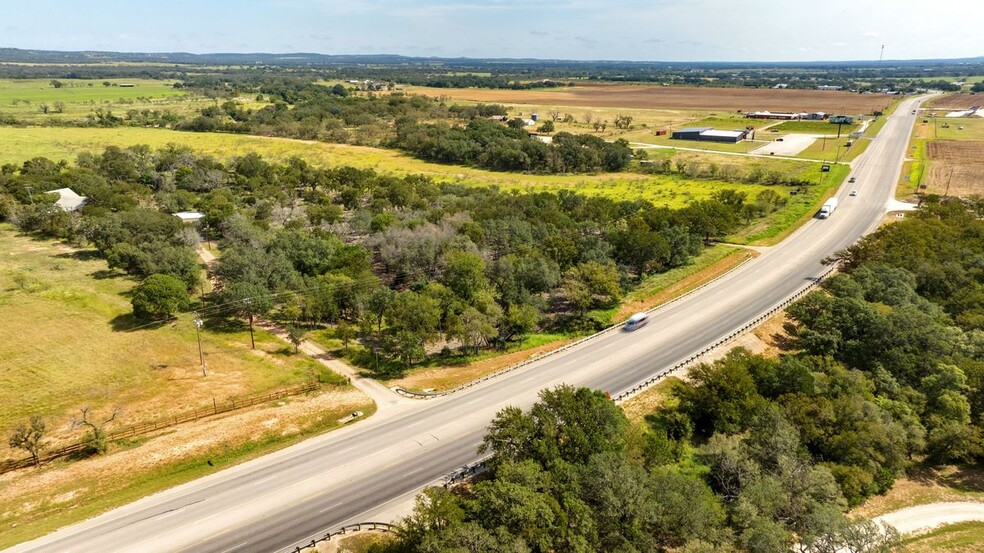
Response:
column 778, row 140
column 849, row 143
column 913, row 112
column 828, row 207
column 357, row 414
column 637, row 320
column 852, row 179
column 854, row 192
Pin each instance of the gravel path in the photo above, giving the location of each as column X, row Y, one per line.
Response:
column 922, row 518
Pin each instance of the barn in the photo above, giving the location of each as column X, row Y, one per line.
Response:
column 709, row 134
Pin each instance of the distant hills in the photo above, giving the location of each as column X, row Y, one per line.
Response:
column 17, row 55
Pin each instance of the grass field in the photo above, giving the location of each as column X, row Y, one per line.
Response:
column 814, row 127
column 835, row 149
column 64, row 346
column 972, row 128
column 24, row 99
column 64, row 143
column 965, row 537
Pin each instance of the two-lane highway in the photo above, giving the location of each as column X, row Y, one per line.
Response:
column 277, row 500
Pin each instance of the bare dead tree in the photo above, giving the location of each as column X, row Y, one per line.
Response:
column 95, row 437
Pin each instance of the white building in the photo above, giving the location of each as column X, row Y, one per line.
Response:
column 68, row 200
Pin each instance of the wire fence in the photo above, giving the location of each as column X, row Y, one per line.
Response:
column 217, row 408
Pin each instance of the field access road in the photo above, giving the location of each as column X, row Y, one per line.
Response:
column 281, row 499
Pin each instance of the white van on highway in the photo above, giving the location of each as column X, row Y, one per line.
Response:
column 635, row 321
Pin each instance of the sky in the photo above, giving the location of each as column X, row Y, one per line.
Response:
column 643, row 30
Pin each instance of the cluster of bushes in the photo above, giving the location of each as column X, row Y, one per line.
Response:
column 885, row 371
column 407, row 264
column 491, row 145
column 712, row 171
column 571, row 474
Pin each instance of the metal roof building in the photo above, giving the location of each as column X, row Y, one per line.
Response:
column 68, row 200
column 709, row 134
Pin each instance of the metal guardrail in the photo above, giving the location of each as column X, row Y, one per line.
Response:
column 639, row 387
column 347, row 529
column 574, row 344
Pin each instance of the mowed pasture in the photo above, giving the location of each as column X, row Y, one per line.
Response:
column 674, row 97
column 65, row 143
column 66, row 344
column 956, row 167
column 26, row 98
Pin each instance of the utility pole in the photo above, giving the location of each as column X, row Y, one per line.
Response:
column 201, row 352
column 249, row 306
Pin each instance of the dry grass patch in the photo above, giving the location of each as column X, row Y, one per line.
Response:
column 957, row 167
column 966, row 537
column 647, row 402
column 658, row 292
column 447, row 377
column 37, row 501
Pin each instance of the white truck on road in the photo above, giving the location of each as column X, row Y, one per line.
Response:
column 828, row 207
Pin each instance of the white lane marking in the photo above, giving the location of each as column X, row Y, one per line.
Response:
column 267, row 479
column 332, row 506
column 234, row 548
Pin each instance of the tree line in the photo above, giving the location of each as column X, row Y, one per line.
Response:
column 883, row 373
column 407, row 266
column 491, row 145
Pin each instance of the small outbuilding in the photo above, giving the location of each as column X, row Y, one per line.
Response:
column 68, row 200
column 189, row 217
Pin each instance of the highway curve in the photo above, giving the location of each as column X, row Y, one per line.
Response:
column 273, row 502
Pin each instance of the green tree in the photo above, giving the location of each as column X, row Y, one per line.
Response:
column 30, row 437
column 159, row 297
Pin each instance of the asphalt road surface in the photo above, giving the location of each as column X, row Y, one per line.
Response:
column 278, row 500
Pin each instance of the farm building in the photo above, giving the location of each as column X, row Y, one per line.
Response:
column 770, row 115
column 816, row 116
column 68, row 200
column 709, row 134
column 829, row 87
column 841, row 120
column 690, row 133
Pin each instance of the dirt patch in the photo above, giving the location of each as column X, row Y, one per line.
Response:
column 956, row 100
column 675, row 97
column 957, row 167
column 650, row 400
column 925, row 485
column 69, row 483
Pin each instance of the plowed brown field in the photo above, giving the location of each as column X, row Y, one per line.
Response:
column 675, row 97
column 957, row 168
column 956, row 100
